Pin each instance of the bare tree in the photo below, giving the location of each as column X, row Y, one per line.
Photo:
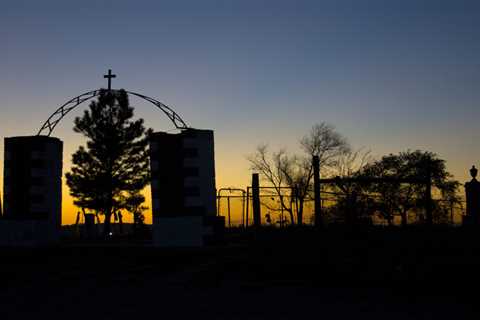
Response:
column 298, row 173
column 351, row 162
column 295, row 172
column 325, row 142
column 272, row 168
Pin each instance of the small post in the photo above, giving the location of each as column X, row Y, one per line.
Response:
column 228, row 206
column 316, row 192
column 218, row 202
column 282, row 219
column 291, row 206
column 243, row 208
column 428, row 198
column 247, row 207
column 299, row 217
column 256, row 200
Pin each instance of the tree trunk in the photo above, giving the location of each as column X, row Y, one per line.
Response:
column 300, row 212
column 290, row 212
column 120, row 222
column 136, row 221
column 106, row 224
column 389, row 219
column 403, row 215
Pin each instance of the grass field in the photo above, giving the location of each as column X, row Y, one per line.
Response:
column 270, row 274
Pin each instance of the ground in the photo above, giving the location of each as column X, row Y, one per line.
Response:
column 269, row 274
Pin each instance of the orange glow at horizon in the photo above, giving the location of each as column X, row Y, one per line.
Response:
column 236, row 177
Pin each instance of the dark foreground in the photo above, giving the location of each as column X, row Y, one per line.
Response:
column 288, row 274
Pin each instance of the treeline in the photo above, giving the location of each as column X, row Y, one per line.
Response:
column 360, row 189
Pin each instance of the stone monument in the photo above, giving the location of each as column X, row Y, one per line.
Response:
column 472, row 192
column 183, row 188
column 32, row 191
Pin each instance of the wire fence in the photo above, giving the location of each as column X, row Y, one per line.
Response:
column 279, row 208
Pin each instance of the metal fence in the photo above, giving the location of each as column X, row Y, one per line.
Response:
column 279, row 208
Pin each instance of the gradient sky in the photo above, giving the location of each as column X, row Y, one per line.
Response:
column 390, row 75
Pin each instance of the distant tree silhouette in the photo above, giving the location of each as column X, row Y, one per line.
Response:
column 115, row 162
column 353, row 203
column 133, row 203
column 280, row 169
column 400, row 199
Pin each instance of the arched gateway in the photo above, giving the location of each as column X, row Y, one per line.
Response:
column 52, row 121
column 182, row 185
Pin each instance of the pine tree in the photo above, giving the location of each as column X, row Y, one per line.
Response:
column 115, row 161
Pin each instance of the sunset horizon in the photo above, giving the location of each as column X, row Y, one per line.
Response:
column 239, row 159
column 390, row 78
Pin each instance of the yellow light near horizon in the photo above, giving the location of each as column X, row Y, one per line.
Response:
column 237, row 177
column 70, row 210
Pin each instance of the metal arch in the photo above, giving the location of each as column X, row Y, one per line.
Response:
column 71, row 104
column 58, row 115
column 172, row 115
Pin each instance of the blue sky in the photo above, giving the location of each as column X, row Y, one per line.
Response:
column 390, row 75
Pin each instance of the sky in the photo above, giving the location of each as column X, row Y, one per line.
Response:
column 389, row 75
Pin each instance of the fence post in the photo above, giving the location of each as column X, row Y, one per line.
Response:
column 218, row 202
column 256, row 200
column 428, row 196
column 282, row 219
column 247, row 207
column 228, row 206
column 243, row 209
column 299, row 216
column 316, row 191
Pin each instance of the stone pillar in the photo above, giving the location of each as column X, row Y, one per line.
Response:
column 32, row 190
column 472, row 192
column 183, row 188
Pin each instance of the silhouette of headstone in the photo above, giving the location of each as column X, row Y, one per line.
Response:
column 472, row 191
column 32, row 190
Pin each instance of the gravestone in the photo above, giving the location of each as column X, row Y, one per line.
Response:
column 472, row 191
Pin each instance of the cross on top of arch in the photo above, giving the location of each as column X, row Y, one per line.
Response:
column 109, row 76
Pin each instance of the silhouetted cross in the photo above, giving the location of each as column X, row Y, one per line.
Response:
column 109, row 76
